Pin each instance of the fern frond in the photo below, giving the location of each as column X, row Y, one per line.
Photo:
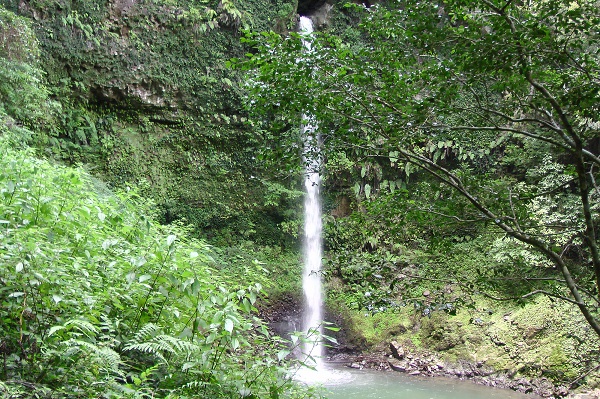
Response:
column 83, row 326
column 211, row 388
column 162, row 345
column 196, row 384
column 147, row 347
column 109, row 359
column 105, row 357
column 177, row 344
column 147, row 332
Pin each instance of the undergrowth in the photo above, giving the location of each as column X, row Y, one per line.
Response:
column 99, row 300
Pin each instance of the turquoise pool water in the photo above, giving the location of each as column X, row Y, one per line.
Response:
column 346, row 383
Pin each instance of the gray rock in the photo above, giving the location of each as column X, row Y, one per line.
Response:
column 396, row 366
column 397, row 350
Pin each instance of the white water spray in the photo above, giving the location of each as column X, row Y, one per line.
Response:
column 313, row 249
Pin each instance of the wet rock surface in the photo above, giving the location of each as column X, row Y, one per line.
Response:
column 283, row 315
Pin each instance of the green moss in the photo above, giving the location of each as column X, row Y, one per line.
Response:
column 441, row 332
column 366, row 329
column 17, row 39
column 529, row 340
column 147, row 99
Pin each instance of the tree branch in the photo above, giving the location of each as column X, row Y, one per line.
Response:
column 532, row 293
column 509, row 130
column 451, row 216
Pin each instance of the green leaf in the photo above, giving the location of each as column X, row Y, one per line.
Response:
column 368, row 191
column 54, row 329
column 211, row 338
column 282, row 354
column 228, row 326
column 246, row 305
column 356, row 189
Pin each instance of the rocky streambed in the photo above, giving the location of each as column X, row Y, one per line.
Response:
column 284, row 315
column 399, row 359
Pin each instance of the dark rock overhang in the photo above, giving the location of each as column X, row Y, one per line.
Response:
column 307, row 8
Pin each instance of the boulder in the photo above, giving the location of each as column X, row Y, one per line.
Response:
column 397, row 350
column 397, row 366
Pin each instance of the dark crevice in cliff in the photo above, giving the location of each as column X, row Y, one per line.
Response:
column 306, row 8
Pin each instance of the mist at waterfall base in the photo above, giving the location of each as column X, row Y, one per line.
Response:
column 337, row 381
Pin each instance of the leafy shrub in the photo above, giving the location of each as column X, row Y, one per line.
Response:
column 98, row 300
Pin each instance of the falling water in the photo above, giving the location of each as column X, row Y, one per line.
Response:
column 311, row 280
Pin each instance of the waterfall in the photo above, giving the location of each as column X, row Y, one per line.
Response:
column 313, row 249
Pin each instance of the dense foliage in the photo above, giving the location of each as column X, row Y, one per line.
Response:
column 460, row 144
column 177, row 132
column 98, row 300
column 493, row 103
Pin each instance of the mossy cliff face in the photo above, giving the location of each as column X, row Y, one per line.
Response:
column 540, row 346
column 146, row 97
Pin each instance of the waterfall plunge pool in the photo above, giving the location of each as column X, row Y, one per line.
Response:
column 345, row 383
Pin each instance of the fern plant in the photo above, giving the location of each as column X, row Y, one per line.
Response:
column 98, row 300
